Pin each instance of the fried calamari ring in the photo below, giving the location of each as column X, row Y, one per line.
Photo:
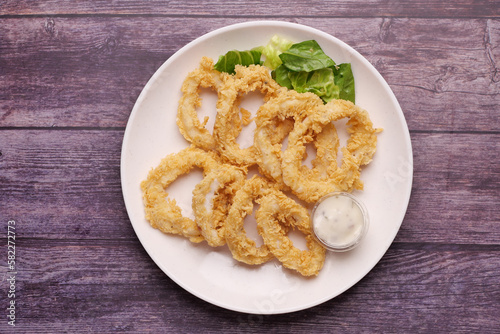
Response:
column 290, row 105
column 162, row 212
column 195, row 132
column 212, row 199
column 276, row 214
column 309, row 185
column 241, row 246
column 245, row 80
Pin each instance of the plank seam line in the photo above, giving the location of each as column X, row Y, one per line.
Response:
column 119, row 128
column 410, row 246
column 451, row 132
column 445, row 247
column 63, row 128
column 256, row 17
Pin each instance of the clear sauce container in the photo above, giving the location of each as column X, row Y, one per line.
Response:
column 339, row 221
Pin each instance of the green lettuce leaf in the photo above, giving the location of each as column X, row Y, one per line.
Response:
column 280, row 75
column 319, row 82
column 227, row 62
column 306, row 56
column 303, row 67
column 273, row 49
column 345, row 81
column 306, row 68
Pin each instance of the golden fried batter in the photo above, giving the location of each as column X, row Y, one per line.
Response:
column 295, row 107
column 212, row 199
column 308, row 184
column 245, row 80
column 242, row 247
column 163, row 212
column 276, row 215
column 225, row 196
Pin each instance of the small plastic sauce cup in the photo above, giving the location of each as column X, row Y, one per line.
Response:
column 339, row 221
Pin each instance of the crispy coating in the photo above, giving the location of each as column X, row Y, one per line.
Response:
column 241, row 246
column 245, row 80
column 225, row 196
column 276, row 215
column 194, row 131
column 212, row 199
column 309, row 185
column 162, row 212
column 292, row 107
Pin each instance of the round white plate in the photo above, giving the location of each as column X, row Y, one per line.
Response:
column 211, row 273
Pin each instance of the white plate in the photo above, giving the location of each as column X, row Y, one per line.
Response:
column 211, row 273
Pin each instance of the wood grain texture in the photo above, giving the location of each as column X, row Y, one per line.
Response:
column 427, row 8
column 420, row 288
column 66, row 184
column 89, row 71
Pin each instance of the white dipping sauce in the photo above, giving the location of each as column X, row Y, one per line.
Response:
column 338, row 221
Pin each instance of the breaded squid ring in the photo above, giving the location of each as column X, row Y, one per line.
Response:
column 188, row 122
column 295, row 106
column 212, row 199
column 162, row 212
column 245, row 80
column 241, row 246
column 361, row 145
column 276, row 215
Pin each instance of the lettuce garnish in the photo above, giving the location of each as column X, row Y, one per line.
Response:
column 306, row 68
column 305, row 56
column 303, row 67
column 320, row 82
column 227, row 62
column 276, row 46
column 344, row 79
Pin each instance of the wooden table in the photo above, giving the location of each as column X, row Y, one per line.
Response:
column 70, row 73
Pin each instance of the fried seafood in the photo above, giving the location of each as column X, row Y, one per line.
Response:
column 242, row 247
column 163, row 212
column 226, row 195
column 292, row 107
column 212, row 199
column 189, row 125
column 309, row 185
column 245, row 80
column 276, row 215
